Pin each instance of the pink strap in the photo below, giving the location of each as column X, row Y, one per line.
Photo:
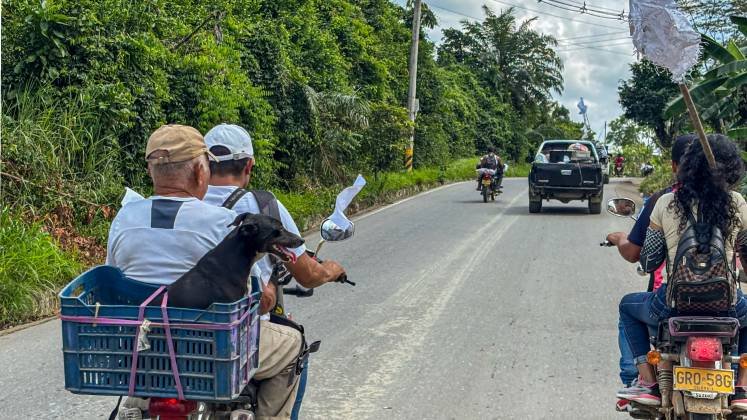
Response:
column 132, row 322
column 135, row 352
column 170, row 342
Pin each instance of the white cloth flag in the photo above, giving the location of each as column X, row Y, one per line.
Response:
column 344, row 198
column 662, row 33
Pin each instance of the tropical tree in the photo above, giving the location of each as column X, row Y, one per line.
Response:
column 511, row 58
column 644, row 97
column 721, row 94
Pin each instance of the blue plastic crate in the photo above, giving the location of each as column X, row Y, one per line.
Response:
column 211, row 363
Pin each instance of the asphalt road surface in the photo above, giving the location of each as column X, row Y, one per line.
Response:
column 463, row 310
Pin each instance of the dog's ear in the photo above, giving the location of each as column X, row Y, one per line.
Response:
column 240, row 218
column 249, row 229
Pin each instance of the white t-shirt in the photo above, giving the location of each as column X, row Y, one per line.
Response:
column 217, row 195
column 158, row 239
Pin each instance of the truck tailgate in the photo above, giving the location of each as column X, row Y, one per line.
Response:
column 566, row 175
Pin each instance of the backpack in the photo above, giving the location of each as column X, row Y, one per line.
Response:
column 268, row 205
column 701, row 283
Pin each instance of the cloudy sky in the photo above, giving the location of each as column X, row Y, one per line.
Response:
column 596, row 52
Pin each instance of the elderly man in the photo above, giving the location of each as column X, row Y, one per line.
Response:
column 158, row 239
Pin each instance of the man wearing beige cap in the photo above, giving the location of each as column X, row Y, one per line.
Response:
column 158, row 239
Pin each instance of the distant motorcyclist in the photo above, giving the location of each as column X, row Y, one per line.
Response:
column 619, row 162
column 490, row 161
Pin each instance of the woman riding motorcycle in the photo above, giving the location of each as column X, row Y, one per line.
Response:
column 701, row 190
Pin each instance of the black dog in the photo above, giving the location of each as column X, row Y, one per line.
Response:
column 221, row 275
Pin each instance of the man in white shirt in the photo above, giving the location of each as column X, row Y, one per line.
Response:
column 232, row 146
column 158, row 239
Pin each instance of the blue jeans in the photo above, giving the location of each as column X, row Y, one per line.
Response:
column 628, row 371
column 301, row 391
column 640, row 313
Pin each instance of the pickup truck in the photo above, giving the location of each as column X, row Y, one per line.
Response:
column 561, row 171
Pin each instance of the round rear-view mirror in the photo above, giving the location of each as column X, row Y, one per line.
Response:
column 332, row 232
column 621, row 207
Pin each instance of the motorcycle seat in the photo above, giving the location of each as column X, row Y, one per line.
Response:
column 685, row 326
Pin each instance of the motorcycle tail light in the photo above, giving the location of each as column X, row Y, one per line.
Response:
column 743, row 361
column 704, row 349
column 171, row 408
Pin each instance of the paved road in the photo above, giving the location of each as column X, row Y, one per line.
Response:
column 463, row 310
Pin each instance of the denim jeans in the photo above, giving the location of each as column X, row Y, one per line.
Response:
column 301, row 391
column 628, row 371
column 640, row 313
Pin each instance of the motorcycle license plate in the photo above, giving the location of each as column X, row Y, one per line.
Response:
column 703, row 380
column 485, row 182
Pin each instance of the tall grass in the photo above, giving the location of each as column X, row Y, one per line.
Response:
column 59, row 148
column 32, row 269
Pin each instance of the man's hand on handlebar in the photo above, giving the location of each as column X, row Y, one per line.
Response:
column 334, row 269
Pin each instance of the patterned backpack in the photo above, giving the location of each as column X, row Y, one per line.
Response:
column 701, row 283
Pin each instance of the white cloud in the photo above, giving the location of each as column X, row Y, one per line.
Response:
column 588, row 72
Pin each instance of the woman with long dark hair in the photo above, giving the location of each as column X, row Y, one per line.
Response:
column 706, row 193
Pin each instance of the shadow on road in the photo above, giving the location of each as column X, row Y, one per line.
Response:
column 549, row 211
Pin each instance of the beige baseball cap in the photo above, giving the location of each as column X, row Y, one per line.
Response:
column 180, row 142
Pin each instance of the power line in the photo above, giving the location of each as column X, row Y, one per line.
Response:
column 583, row 8
column 453, row 11
column 553, row 15
column 606, row 39
column 583, row 4
column 595, row 49
column 593, row 35
column 604, row 42
column 593, row 14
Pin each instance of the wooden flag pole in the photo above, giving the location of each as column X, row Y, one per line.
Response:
column 698, row 125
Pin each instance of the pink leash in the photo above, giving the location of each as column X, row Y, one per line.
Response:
column 135, row 352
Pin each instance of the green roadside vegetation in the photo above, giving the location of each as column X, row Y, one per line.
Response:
column 320, row 85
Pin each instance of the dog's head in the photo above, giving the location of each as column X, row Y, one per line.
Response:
column 267, row 235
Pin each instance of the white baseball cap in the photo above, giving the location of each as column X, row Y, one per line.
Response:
column 232, row 137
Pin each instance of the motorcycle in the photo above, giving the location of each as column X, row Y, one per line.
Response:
column 244, row 407
column 490, row 182
column 693, row 358
column 618, row 169
column 335, row 228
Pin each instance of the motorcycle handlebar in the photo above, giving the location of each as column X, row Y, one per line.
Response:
column 606, row 243
column 298, row 291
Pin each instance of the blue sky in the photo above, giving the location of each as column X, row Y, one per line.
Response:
column 596, row 52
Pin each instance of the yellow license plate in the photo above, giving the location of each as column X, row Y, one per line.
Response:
column 485, row 182
column 704, row 380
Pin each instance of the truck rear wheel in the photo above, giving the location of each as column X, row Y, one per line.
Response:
column 595, row 208
column 535, row 206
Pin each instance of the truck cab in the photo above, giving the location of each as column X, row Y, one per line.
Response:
column 566, row 170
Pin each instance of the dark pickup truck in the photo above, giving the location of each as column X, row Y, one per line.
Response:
column 561, row 171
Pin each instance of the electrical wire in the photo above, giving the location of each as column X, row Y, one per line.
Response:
column 505, row 3
column 594, row 35
column 586, row 9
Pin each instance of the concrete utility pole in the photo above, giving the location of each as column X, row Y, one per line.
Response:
column 413, row 69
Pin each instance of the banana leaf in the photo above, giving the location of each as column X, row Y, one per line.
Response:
column 702, row 94
column 738, row 133
column 733, row 67
column 715, row 50
column 741, row 23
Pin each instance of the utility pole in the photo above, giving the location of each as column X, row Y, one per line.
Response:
column 413, row 70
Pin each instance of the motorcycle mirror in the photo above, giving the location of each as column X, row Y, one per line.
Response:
column 332, row 232
column 621, row 207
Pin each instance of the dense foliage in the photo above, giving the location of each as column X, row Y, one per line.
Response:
column 320, row 84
